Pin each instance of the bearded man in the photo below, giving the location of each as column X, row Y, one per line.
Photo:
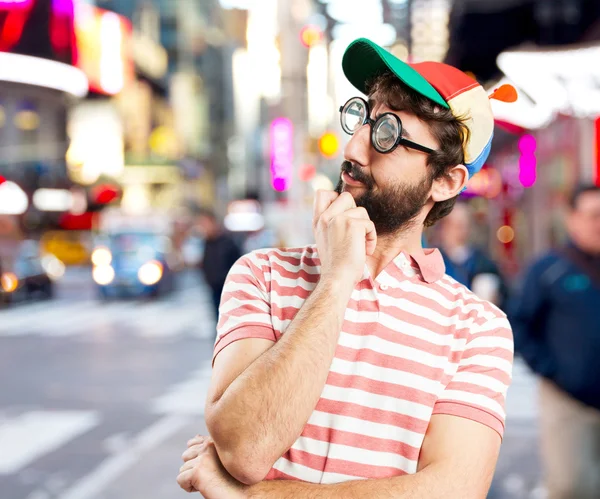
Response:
column 355, row 367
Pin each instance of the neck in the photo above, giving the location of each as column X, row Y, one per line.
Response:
column 390, row 246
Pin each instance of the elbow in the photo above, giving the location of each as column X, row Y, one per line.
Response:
column 243, row 468
column 238, row 453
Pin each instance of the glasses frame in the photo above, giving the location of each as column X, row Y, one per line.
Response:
column 373, row 124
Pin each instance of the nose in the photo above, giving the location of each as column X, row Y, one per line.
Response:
column 357, row 150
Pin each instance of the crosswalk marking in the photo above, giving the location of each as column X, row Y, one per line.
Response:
column 186, row 398
column 185, row 313
column 26, row 438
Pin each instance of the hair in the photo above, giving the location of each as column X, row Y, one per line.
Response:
column 450, row 131
column 204, row 211
column 579, row 191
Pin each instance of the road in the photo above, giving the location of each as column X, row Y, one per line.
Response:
column 98, row 399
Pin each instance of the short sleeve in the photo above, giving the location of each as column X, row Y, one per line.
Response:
column 478, row 389
column 245, row 309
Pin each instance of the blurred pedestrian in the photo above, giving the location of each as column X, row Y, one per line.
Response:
column 468, row 264
column 220, row 252
column 356, row 359
column 557, row 332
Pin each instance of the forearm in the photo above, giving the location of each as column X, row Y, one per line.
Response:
column 431, row 482
column 261, row 414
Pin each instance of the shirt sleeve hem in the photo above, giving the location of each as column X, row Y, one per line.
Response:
column 473, row 413
column 243, row 332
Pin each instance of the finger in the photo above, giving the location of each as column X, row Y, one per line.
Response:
column 358, row 213
column 370, row 238
column 343, row 203
column 370, row 233
column 185, row 480
column 188, row 465
column 198, row 439
column 192, row 452
column 323, row 200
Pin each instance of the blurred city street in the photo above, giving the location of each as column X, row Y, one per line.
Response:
column 100, row 398
column 94, row 390
column 147, row 145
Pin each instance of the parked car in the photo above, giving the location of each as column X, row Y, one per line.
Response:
column 28, row 275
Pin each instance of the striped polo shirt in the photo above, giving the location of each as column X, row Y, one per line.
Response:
column 414, row 342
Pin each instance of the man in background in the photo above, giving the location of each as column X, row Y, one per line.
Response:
column 220, row 253
column 557, row 332
column 466, row 263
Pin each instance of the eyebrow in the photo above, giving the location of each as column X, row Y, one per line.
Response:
column 405, row 133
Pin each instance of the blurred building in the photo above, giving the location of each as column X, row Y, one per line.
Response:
column 39, row 82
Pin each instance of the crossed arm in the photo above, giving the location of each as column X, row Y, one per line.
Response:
column 457, row 461
column 279, row 384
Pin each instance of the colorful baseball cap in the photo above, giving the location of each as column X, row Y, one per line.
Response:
column 445, row 85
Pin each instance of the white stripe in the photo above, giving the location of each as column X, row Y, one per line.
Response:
column 443, row 321
column 473, row 399
column 385, row 375
column 331, row 478
column 292, row 283
column 309, row 269
column 233, row 322
column 307, row 251
column 353, row 454
column 233, row 304
column 280, row 325
column 491, row 341
column 482, row 380
column 487, row 361
column 492, row 325
column 366, row 428
column 287, row 301
column 463, row 294
column 442, row 339
column 299, row 471
column 389, row 348
column 33, row 434
column 432, row 294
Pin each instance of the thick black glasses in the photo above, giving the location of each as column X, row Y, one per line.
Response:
column 386, row 131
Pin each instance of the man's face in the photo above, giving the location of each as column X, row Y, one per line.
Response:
column 456, row 226
column 583, row 222
column 394, row 188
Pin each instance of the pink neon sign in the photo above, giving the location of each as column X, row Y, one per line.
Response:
column 527, row 161
column 282, row 153
column 14, row 3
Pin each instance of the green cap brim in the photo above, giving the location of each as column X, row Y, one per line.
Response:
column 364, row 60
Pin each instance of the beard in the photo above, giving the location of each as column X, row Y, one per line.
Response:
column 392, row 209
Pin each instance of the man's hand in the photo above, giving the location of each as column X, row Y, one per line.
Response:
column 344, row 234
column 203, row 472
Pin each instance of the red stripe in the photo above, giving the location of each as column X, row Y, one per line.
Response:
column 389, row 362
column 399, row 392
column 476, row 389
column 361, row 441
column 329, row 465
column 299, row 274
column 275, row 474
column 379, row 416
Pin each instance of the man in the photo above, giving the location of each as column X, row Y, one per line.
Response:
column 467, row 264
column 557, row 332
column 220, row 253
column 357, row 358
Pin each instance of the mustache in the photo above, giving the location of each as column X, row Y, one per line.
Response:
column 357, row 173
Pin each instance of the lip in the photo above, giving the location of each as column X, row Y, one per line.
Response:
column 350, row 181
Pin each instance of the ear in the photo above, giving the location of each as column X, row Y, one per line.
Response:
column 450, row 185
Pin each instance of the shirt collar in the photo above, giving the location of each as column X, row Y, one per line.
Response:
column 429, row 262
